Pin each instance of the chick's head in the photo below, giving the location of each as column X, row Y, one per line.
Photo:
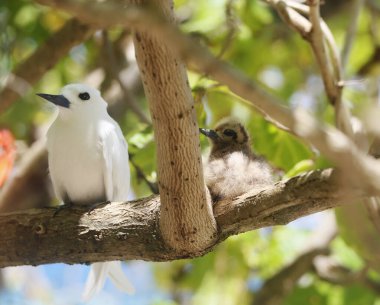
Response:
column 229, row 135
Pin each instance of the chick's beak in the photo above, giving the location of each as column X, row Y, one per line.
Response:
column 209, row 133
column 58, row 100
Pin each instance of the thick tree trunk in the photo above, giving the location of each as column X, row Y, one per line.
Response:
column 187, row 222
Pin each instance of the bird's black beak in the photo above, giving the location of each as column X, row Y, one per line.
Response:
column 58, row 100
column 209, row 133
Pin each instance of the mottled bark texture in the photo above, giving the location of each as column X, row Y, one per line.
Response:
column 183, row 224
column 187, row 223
column 124, row 231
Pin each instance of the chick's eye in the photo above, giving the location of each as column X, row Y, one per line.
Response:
column 229, row 133
column 84, row 96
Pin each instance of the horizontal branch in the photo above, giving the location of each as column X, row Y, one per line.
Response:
column 124, row 231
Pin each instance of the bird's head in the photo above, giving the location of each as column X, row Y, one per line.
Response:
column 229, row 135
column 77, row 99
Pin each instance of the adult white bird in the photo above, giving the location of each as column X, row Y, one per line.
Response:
column 88, row 163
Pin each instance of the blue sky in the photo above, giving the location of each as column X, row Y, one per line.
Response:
column 60, row 284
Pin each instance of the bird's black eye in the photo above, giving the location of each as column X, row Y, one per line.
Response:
column 229, row 133
column 84, row 96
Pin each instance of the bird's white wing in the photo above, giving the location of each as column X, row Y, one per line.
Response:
column 116, row 170
column 116, row 173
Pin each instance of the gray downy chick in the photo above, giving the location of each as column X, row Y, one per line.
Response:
column 232, row 169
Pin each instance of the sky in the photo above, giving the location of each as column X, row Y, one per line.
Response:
column 61, row 284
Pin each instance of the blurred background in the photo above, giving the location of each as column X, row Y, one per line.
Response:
column 295, row 264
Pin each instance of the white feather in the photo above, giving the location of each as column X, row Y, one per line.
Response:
column 97, row 277
column 95, row 280
column 236, row 174
column 118, row 277
column 88, row 163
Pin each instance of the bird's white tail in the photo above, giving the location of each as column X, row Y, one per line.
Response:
column 97, row 277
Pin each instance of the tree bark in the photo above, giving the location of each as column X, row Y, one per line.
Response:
column 361, row 169
column 124, row 231
column 186, row 221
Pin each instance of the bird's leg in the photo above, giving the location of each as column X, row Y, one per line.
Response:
column 64, row 206
column 96, row 205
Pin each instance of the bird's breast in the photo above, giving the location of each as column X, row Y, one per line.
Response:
column 75, row 164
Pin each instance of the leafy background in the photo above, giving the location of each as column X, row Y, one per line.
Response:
column 266, row 50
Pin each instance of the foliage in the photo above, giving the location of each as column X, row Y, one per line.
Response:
column 266, row 50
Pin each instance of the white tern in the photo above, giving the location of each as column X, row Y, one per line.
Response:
column 88, row 164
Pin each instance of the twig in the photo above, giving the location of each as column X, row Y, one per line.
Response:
column 277, row 287
column 319, row 35
column 291, row 8
column 292, row 18
column 140, row 174
column 318, row 44
column 328, row 270
column 331, row 78
column 333, row 53
column 231, row 26
column 351, row 32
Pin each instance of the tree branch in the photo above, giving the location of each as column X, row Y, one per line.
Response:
column 356, row 9
column 124, row 231
column 140, row 175
column 46, row 56
column 317, row 42
column 331, row 142
column 329, row 270
column 276, row 288
column 330, row 66
column 186, row 219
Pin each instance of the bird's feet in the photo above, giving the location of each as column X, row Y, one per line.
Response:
column 96, row 205
column 62, row 207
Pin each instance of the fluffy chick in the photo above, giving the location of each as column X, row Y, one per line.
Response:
column 232, row 168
